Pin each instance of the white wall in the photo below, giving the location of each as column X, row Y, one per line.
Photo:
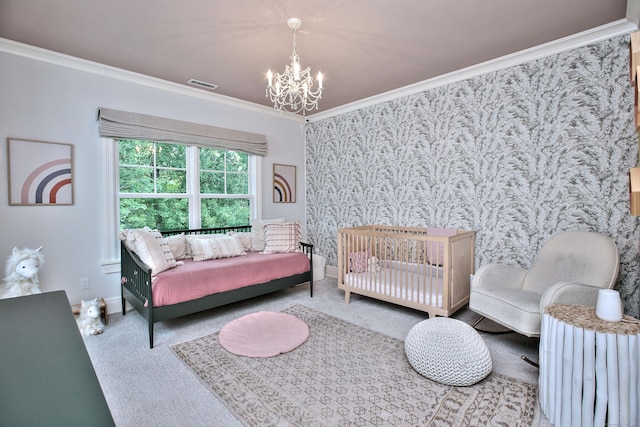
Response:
column 58, row 103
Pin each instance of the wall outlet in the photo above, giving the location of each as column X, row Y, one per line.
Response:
column 84, row 283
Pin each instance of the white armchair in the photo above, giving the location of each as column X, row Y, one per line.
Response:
column 570, row 268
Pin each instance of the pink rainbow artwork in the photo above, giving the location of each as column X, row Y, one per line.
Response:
column 43, row 185
column 40, row 173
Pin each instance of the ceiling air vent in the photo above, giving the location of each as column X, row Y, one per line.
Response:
column 202, row 84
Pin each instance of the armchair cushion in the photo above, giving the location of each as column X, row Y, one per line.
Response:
column 501, row 275
column 570, row 293
column 513, row 307
column 574, row 256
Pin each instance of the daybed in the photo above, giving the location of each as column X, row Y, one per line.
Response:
column 427, row 269
column 208, row 283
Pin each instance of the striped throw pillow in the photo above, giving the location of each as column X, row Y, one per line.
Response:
column 283, row 237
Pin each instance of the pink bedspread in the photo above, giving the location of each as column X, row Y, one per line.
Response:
column 194, row 280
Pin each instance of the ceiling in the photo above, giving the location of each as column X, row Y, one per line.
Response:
column 363, row 47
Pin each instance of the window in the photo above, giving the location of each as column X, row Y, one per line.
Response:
column 173, row 186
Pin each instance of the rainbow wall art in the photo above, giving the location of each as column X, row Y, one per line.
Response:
column 40, row 173
column 284, row 184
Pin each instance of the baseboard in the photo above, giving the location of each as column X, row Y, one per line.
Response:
column 331, row 271
column 114, row 305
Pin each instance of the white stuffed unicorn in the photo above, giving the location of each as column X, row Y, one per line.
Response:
column 22, row 273
column 89, row 321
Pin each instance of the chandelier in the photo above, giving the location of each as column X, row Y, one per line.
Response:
column 293, row 89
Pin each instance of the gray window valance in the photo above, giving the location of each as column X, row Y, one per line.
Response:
column 126, row 125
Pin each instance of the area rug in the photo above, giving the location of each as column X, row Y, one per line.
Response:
column 347, row 375
column 263, row 334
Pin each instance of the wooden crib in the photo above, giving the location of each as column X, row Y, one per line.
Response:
column 427, row 269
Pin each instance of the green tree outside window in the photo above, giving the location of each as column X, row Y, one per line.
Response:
column 154, row 188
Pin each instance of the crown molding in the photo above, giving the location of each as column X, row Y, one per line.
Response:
column 584, row 38
column 50, row 57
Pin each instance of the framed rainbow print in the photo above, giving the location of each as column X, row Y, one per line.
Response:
column 40, row 173
column 284, row 183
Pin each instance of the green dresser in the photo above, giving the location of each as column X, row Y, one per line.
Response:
column 46, row 376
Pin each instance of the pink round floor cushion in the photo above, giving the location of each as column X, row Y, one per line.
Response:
column 263, row 334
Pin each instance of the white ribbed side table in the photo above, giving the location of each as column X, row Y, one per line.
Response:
column 589, row 368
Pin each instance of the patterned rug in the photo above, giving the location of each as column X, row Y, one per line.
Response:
column 347, row 375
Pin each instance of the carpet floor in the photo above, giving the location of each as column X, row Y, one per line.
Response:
column 151, row 387
column 347, row 375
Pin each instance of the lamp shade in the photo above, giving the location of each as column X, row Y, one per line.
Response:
column 609, row 305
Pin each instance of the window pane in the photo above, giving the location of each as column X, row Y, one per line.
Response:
column 237, row 183
column 136, row 180
column 221, row 172
column 171, row 155
column 225, row 212
column 211, row 183
column 171, row 181
column 211, row 159
column 163, row 214
column 237, row 162
column 133, row 152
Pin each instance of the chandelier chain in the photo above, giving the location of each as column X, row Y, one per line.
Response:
column 294, row 41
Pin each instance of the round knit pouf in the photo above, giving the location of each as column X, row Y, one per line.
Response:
column 448, row 351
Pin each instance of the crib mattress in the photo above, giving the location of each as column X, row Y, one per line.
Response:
column 417, row 283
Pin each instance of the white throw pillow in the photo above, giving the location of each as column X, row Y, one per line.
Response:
column 153, row 249
column 127, row 238
column 218, row 246
column 282, row 237
column 245, row 238
column 258, row 242
column 192, row 237
column 178, row 245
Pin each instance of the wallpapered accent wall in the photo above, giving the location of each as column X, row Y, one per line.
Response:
column 516, row 155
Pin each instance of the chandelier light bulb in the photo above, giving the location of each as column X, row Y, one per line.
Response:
column 296, row 70
column 293, row 90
